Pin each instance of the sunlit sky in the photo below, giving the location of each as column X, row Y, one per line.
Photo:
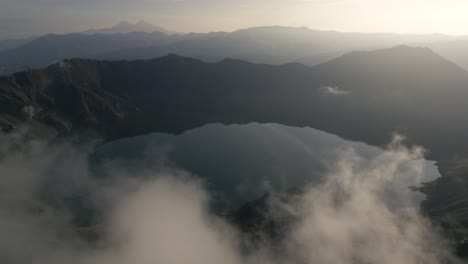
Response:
column 22, row 18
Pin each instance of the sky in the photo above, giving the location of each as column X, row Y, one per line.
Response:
column 24, row 18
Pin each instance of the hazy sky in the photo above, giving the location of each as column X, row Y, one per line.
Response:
column 19, row 18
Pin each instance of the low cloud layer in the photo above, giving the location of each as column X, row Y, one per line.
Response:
column 334, row 90
column 361, row 213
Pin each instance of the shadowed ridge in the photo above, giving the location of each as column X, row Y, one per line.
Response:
column 360, row 96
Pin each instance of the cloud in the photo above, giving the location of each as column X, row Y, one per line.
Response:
column 167, row 221
column 334, row 90
column 362, row 213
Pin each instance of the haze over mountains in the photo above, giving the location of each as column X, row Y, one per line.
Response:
column 127, row 27
column 120, row 28
column 211, row 99
column 13, row 43
column 361, row 96
column 271, row 45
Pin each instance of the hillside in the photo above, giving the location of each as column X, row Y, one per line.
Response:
column 51, row 48
column 363, row 96
column 269, row 44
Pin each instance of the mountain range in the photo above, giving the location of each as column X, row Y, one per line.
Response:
column 271, row 45
column 361, row 95
column 122, row 27
column 127, row 27
column 13, row 43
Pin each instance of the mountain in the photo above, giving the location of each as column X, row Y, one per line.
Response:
column 272, row 45
column 410, row 90
column 361, row 96
column 13, row 43
column 126, row 27
column 447, row 201
column 454, row 50
column 52, row 48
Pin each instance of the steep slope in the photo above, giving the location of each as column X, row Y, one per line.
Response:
column 455, row 50
column 361, row 96
column 447, row 201
column 169, row 94
column 411, row 90
column 55, row 100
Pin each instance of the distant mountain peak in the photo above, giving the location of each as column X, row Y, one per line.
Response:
column 143, row 22
column 399, row 57
column 127, row 27
column 275, row 28
column 233, row 61
column 397, row 50
column 122, row 23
